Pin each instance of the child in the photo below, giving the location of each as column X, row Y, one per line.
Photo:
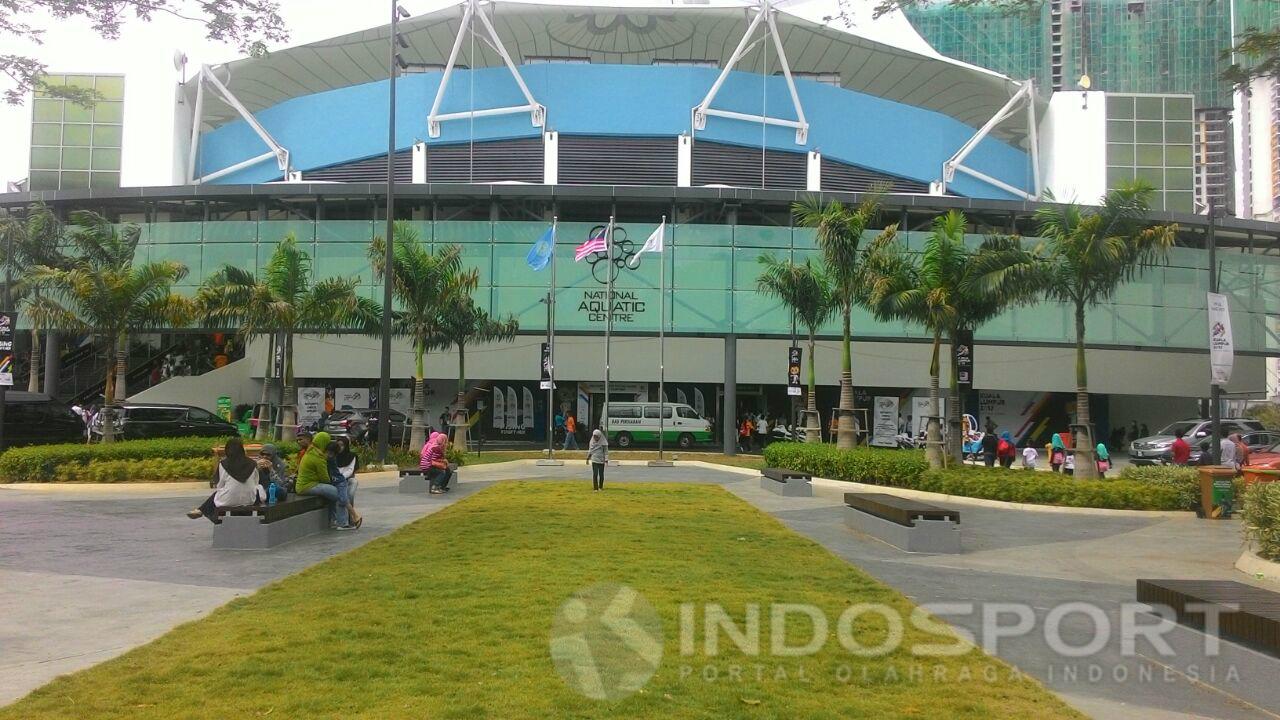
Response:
column 1029, row 456
column 1069, row 463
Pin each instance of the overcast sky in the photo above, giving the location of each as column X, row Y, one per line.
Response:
column 144, row 54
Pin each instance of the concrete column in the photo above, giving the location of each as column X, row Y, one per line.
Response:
column 52, row 362
column 684, row 161
column 729, row 413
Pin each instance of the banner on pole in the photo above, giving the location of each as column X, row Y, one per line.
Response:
column 884, row 422
column 545, row 365
column 1221, row 348
column 526, row 414
column 310, row 404
column 699, row 403
column 8, row 324
column 962, row 356
column 499, row 409
column 795, row 359
column 513, row 409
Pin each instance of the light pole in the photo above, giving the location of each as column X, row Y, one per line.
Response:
column 388, row 278
column 1215, row 390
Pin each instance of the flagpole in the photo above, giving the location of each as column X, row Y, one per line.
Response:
column 662, row 340
column 608, row 325
column 551, row 347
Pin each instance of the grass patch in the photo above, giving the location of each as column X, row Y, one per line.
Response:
column 498, row 456
column 450, row 617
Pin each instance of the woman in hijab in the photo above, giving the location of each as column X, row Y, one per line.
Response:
column 597, row 457
column 1057, row 453
column 236, row 483
column 314, row 479
column 1104, row 460
column 343, row 471
column 1007, row 449
column 435, row 465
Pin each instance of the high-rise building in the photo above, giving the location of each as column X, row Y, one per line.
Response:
column 74, row 147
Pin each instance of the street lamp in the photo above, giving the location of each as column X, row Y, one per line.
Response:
column 394, row 61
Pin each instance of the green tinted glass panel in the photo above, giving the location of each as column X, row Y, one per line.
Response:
column 1177, row 155
column 75, row 158
column 106, row 180
column 111, row 87
column 72, row 112
column 76, row 135
column 46, row 134
column 47, row 111
column 1119, row 154
column 1149, row 132
column 1149, row 108
column 1119, row 107
column 1118, row 175
column 81, row 81
column 1152, row 155
column 106, row 159
column 45, row 158
column 1178, row 132
column 108, row 112
column 1155, row 176
column 1177, row 108
column 75, row 180
column 51, row 81
column 1119, row 131
column 43, row 180
column 107, row 135
column 1179, row 179
column 1179, row 202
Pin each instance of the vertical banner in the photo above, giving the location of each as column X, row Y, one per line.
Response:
column 526, row 416
column 499, row 409
column 513, row 409
column 962, row 356
column 680, row 397
column 400, row 399
column 584, row 408
column 699, row 403
column 545, row 365
column 310, row 404
column 884, row 422
column 920, row 407
column 795, row 359
column 8, row 325
column 1221, row 349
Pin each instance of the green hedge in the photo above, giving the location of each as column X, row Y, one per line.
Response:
column 151, row 470
column 1185, row 480
column 1261, row 515
column 908, row 469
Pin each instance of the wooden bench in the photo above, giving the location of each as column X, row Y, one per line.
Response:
column 256, row 527
column 788, row 483
column 905, row 524
column 1255, row 623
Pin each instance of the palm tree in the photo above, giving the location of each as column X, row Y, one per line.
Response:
column 284, row 301
column 840, row 230
column 104, row 291
column 425, row 283
column 806, row 291
column 1085, row 255
column 465, row 322
column 34, row 241
column 947, row 287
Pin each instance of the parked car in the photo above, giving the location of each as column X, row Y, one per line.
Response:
column 33, row 419
column 156, row 420
column 1155, row 449
column 632, row 422
column 1258, row 442
column 362, row 425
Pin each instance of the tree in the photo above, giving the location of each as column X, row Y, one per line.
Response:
column 34, row 240
column 806, row 291
column 948, row 287
column 1084, row 256
column 840, row 229
column 247, row 24
column 106, row 292
column 465, row 323
column 425, row 283
column 284, row 301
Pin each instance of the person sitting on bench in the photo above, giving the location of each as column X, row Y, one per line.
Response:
column 433, row 463
column 314, row 479
column 272, row 469
column 343, row 464
column 236, row 480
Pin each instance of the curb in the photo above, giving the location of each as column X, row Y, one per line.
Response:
column 1257, row 568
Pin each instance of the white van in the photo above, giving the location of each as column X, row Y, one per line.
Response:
column 633, row 422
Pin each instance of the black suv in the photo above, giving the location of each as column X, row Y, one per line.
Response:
column 31, row 419
column 156, row 420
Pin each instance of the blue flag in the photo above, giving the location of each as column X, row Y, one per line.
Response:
column 540, row 254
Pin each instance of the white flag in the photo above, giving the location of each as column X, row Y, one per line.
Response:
column 1221, row 349
column 652, row 244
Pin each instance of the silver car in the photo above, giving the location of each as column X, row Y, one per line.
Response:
column 1157, row 449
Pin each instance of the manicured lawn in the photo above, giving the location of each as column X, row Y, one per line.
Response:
column 497, row 456
column 450, row 617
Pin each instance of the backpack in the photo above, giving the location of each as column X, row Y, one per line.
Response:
column 1004, row 449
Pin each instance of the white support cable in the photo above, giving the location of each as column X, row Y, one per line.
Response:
column 196, row 118
column 537, row 112
column 237, row 167
column 278, row 151
column 763, row 13
column 1033, row 142
column 956, row 162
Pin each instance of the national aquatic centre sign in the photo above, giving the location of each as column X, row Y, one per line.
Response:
column 626, row 305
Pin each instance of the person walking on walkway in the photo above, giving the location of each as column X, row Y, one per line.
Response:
column 1057, row 452
column 570, row 433
column 762, row 430
column 1180, row 452
column 1006, row 450
column 990, row 448
column 597, row 458
column 1104, row 459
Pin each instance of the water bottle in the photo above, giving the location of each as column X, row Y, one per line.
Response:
column 271, row 494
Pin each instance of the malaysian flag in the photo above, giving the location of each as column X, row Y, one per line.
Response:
column 596, row 243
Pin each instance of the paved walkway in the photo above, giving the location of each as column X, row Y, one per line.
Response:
column 89, row 573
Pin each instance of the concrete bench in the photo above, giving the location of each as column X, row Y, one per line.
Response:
column 256, row 527
column 905, row 524
column 788, row 483
column 414, row 480
column 1255, row 622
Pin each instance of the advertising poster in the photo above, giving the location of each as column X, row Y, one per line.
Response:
column 545, row 367
column 8, row 323
column 920, row 414
column 680, row 397
column 884, row 422
column 1221, row 348
column 699, row 402
column 795, row 358
column 526, row 414
column 401, row 399
column 513, row 409
column 354, row 398
column 962, row 356
column 499, row 408
column 310, row 404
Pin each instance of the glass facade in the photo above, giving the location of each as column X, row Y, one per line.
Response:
column 1149, row 137
column 74, row 147
column 712, row 271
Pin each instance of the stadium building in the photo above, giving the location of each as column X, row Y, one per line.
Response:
column 713, row 118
